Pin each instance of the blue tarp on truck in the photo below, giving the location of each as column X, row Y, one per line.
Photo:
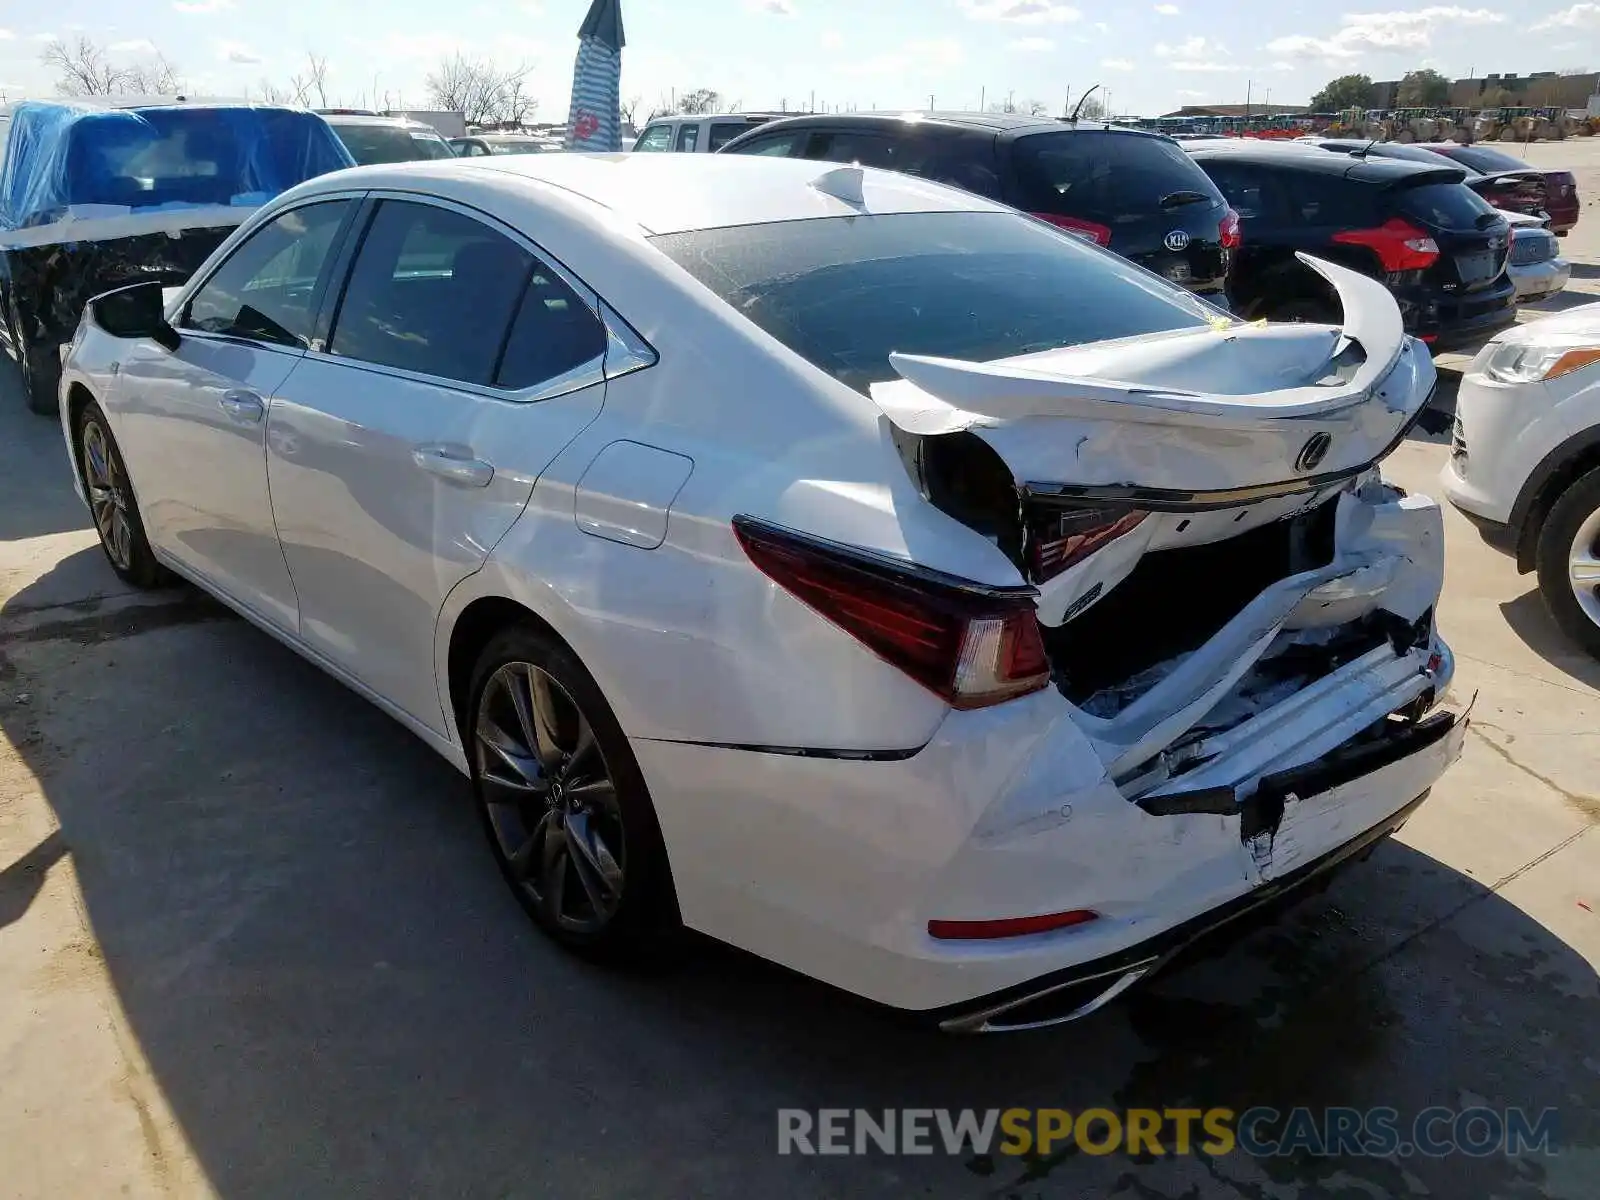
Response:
column 63, row 158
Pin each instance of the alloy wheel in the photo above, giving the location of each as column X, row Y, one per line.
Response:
column 551, row 799
column 108, row 495
column 1583, row 566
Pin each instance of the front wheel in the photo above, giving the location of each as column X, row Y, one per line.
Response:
column 1568, row 561
column 564, row 803
column 111, row 502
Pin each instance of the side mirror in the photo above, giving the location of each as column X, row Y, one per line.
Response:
column 135, row 311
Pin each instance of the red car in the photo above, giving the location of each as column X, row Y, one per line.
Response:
column 1560, row 187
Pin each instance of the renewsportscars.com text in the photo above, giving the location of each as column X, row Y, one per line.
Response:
column 1260, row 1131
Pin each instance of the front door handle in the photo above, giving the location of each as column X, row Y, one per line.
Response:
column 243, row 406
column 453, row 466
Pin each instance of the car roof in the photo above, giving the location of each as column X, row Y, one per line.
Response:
column 980, row 122
column 374, row 119
column 1314, row 159
column 671, row 193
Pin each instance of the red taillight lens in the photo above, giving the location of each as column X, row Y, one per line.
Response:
column 1399, row 245
column 970, row 646
column 1005, row 927
column 1058, row 538
column 1100, row 235
column 1228, row 232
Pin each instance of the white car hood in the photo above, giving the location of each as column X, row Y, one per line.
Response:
column 1210, row 410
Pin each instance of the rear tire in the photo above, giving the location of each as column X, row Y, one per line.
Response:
column 39, row 366
column 1569, row 537
column 564, row 803
column 112, row 503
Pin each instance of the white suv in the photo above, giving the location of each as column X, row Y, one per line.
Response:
column 1525, row 459
column 698, row 135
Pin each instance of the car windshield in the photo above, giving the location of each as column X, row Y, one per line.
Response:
column 846, row 292
column 370, row 144
column 1480, row 158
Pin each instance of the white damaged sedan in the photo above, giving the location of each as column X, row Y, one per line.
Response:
column 835, row 563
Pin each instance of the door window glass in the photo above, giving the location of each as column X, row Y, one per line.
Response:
column 432, row 291
column 264, row 290
column 777, row 145
column 657, row 138
column 688, row 137
column 723, row 132
column 554, row 332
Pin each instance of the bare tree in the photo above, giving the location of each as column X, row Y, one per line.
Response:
column 84, row 69
column 312, row 83
column 1092, row 109
column 629, row 108
column 485, row 93
column 1038, row 108
column 152, row 79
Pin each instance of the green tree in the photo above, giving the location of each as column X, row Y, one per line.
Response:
column 1422, row 89
column 1347, row 91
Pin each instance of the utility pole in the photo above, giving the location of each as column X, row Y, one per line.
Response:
column 930, row 103
column 1248, row 83
column 983, row 99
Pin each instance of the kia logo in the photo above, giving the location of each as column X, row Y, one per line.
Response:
column 1176, row 240
column 1313, row 452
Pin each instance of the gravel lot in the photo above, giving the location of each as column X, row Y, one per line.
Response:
column 251, row 945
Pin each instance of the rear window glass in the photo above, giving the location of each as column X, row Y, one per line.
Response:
column 1105, row 177
column 1447, row 206
column 845, row 292
column 1488, row 161
column 389, row 144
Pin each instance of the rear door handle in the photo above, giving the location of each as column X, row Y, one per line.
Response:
column 243, row 406
column 457, row 468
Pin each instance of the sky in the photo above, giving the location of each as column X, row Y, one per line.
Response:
column 760, row 54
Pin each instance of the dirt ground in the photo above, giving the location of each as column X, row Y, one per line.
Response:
column 251, row 944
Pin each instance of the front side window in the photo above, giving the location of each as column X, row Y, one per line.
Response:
column 264, row 290
column 658, row 138
column 431, row 291
column 776, row 145
column 688, row 138
column 846, row 292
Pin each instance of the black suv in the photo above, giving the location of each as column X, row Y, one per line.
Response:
column 1134, row 192
column 1436, row 244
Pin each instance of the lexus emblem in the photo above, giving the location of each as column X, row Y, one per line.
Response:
column 1313, row 452
column 1176, row 240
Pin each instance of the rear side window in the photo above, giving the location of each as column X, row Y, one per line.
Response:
column 845, row 292
column 851, row 146
column 1255, row 193
column 1480, row 158
column 554, row 332
column 723, row 132
column 1103, row 176
column 657, row 138
column 432, row 291
column 1452, row 206
column 1317, row 198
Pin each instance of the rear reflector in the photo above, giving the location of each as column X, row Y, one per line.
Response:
column 1008, row 927
column 1090, row 231
column 969, row 645
column 1059, row 538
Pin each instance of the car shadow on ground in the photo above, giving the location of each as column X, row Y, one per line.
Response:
column 337, row 996
column 1583, row 270
column 1530, row 620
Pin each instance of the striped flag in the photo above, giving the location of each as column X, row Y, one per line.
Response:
column 594, row 122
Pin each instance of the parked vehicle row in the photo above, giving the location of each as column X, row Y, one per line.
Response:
column 1005, row 647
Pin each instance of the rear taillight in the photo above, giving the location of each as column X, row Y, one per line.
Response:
column 1228, row 232
column 1399, row 245
column 971, row 646
column 1090, row 231
column 1059, row 538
